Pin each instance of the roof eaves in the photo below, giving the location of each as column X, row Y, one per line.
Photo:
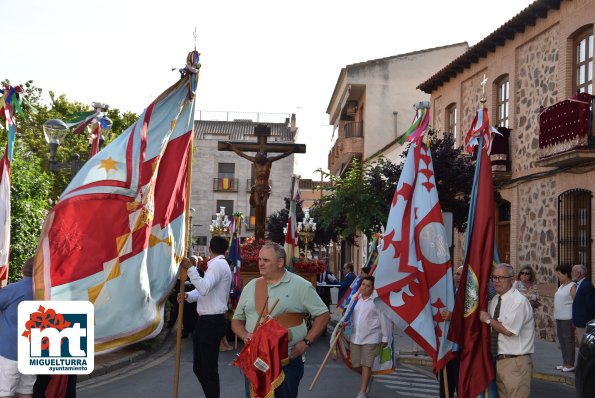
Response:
column 517, row 24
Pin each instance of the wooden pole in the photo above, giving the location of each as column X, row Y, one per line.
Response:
column 445, row 382
column 328, row 354
column 183, row 275
column 183, row 272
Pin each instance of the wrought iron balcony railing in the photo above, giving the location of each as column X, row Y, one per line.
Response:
column 225, row 184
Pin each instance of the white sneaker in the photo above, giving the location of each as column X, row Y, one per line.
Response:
column 570, row 369
column 361, row 395
column 559, row 367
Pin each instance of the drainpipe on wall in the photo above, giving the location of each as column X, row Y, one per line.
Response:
column 395, row 118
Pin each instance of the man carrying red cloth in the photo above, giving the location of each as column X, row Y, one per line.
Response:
column 296, row 296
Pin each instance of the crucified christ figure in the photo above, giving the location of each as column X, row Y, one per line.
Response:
column 260, row 191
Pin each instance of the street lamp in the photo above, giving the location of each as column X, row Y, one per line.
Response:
column 55, row 130
column 220, row 225
column 306, row 229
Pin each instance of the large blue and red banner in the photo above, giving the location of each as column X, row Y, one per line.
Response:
column 117, row 234
column 414, row 277
column 473, row 336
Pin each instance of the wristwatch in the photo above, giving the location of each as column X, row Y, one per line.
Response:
column 489, row 321
column 308, row 342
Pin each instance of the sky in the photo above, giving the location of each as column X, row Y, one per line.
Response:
column 273, row 57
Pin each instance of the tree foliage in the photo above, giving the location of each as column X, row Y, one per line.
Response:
column 29, row 205
column 359, row 202
column 34, row 188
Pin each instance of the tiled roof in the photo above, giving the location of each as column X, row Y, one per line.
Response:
column 238, row 130
column 527, row 17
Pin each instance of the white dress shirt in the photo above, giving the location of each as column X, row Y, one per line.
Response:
column 369, row 326
column 516, row 315
column 211, row 292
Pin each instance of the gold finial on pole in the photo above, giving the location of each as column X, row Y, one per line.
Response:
column 483, row 83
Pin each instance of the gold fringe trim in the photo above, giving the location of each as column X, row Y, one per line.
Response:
column 563, row 146
column 274, row 385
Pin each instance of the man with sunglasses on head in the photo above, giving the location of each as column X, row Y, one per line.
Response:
column 512, row 325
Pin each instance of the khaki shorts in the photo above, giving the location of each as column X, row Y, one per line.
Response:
column 12, row 382
column 362, row 354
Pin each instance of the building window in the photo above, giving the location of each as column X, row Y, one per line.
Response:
column 228, row 204
column 503, row 102
column 451, row 121
column 574, row 228
column 225, row 180
column 583, row 62
column 227, row 170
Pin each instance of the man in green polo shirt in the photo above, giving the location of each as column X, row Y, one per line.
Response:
column 296, row 295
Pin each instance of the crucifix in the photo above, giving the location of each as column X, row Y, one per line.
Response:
column 483, row 83
column 260, row 191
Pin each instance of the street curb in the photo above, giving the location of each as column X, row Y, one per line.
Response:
column 421, row 359
column 125, row 360
column 554, row 378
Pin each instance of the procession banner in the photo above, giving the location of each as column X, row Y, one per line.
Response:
column 117, row 234
column 414, row 277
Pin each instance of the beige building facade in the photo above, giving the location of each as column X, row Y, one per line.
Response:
column 371, row 106
column 534, row 65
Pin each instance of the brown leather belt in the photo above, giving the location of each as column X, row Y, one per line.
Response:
column 506, row 356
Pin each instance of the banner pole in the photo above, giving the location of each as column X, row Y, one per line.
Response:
column 183, row 271
column 445, row 382
column 328, row 354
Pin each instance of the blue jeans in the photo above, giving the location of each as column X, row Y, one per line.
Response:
column 294, row 371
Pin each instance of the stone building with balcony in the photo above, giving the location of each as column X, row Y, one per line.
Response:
column 372, row 105
column 224, row 179
column 543, row 165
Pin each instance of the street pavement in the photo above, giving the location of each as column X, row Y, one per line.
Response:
column 149, row 373
column 130, row 371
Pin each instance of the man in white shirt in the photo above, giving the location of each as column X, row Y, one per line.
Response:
column 210, row 294
column 369, row 329
column 513, row 333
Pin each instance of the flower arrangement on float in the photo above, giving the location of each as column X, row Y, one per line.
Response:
column 251, row 247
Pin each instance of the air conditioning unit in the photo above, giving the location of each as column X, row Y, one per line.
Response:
column 351, row 108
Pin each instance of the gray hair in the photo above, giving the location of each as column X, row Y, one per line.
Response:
column 507, row 266
column 277, row 248
column 581, row 268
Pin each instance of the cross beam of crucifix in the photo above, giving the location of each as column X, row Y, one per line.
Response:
column 262, row 165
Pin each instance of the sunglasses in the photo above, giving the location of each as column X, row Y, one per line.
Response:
column 525, row 273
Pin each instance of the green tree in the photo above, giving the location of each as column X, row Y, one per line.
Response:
column 29, row 205
column 359, row 202
column 33, row 186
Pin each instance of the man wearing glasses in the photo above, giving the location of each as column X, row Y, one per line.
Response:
column 513, row 334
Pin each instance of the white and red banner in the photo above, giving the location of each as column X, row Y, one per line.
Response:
column 414, row 274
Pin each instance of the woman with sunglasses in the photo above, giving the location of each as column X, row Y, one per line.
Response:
column 527, row 285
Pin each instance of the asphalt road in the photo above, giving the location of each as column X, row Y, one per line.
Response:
column 154, row 378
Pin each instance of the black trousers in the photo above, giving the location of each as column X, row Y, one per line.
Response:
column 208, row 331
